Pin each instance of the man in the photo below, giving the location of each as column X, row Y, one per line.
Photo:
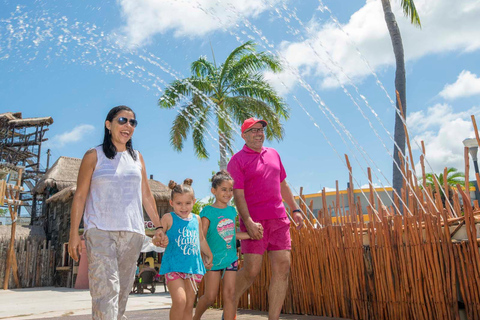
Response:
column 258, row 191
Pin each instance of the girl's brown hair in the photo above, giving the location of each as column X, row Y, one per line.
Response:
column 186, row 187
column 219, row 177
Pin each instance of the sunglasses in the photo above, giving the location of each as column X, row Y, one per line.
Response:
column 256, row 130
column 123, row 120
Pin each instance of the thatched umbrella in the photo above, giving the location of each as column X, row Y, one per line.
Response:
column 61, row 175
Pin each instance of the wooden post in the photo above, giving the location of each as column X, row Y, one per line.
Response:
column 11, row 258
column 467, row 169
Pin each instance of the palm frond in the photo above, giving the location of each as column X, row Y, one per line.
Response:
column 253, row 63
column 181, row 127
column 238, row 110
column 198, row 133
column 410, row 11
column 235, row 55
column 261, row 90
column 183, row 89
column 202, row 68
column 251, row 107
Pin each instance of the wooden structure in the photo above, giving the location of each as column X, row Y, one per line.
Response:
column 10, row 196
column 21, row 145
column 58, row 187
column 34, row 255
column 416, row 259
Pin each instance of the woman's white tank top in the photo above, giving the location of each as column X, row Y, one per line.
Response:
column 114, row 201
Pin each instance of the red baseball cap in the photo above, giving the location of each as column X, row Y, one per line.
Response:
column 247, row 124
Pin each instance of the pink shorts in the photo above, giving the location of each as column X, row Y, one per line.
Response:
column 276, row 236
column 181, row 275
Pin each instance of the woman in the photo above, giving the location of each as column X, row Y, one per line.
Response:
column 112, row 186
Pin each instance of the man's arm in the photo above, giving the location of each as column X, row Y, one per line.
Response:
column 255, row 230
column 290, row 200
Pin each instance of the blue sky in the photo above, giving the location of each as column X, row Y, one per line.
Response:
column 75, row 60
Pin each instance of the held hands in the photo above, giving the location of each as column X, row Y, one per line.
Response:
column 74, row 246
column 160, row 239
column 255, row 230
column 207, row 260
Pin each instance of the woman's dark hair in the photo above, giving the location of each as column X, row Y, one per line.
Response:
column 108, row 147
column 186, row 187
column 219, row 177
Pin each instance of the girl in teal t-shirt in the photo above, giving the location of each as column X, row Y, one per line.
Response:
column 218, row 223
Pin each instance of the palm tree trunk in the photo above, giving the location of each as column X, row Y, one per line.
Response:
column 400, row 86
column 223, row 150
column 222, row 141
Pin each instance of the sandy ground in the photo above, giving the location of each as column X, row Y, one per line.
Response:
column 50, row 303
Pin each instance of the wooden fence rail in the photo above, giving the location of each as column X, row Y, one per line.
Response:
column 35, row 260
column 408, row 271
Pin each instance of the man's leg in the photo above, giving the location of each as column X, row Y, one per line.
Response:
column 252, row 264
column 280, row 264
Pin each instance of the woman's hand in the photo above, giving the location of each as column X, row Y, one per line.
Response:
column 160, row 239
column 74, row 246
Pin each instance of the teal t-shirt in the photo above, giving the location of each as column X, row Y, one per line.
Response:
column 221, row 235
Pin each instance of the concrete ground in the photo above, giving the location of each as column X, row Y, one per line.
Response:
column 50, row 303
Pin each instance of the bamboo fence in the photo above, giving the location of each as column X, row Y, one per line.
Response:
column 35, row 260
column 417, row 259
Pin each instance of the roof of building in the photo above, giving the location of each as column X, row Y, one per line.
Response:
column 159, row 190
column 63, row 175
column 16, row 120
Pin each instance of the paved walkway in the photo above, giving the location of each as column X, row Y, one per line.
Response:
column 50, row 303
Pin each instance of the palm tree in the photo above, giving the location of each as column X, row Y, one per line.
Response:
column 225, row 95
column 453, row 178
column 400, row 80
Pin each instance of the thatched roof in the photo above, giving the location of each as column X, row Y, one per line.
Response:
column 159, row 190
column 64, row 195
column 61, row 175
column 10, row 116
column 15, row 119
column 22, row 232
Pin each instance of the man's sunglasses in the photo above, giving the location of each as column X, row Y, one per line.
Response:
column 123, row 120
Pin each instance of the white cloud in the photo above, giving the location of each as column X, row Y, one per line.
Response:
column 375, row 186
column 436, row 117
column 327, row 189
column 467, row 84
column 443, row 130
column 330, row 54
column 145, row 18
column 75, row 135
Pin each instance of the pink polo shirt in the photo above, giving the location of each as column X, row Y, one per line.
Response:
column 259, row 174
